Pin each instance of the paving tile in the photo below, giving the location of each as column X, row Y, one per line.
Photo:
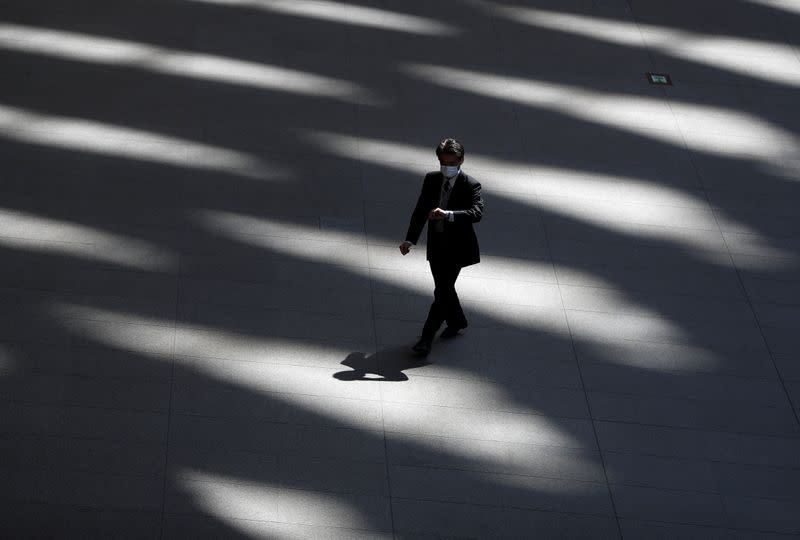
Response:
column 781, row 340
column 524, row 343
column 498, row 291
column 334, row 475
column 659, row 472
column 600, row 327
column 772, row 290
column 496, row 489
column 561, row 231
column 585, row 185
column 227, row 401
column 793, row 389
column 327, row 509
column 763, row 267
column 782, row 244
column 71, row 421
column 508, row 319
column 487, row 127
column 244, row 466
column 740, row 176
column 624, row 380
column 301, row 325
column 208, row 494
column 183, row 526
column 776, row 315
column 661, row 505
column 484, row 395
column 736, row 68
column 583, row 59
column 40, row 358
column 619, row 214
column 727, row 479
column 487, row 425
column 666, row 357
column 88, row 455
column 776, row 223
column 535, row 267
column 761, row 208
column 196, row 344
column 261, row 268
column 788, row 366
column 757, row 481
column 84, row 489
column 408, row 307
column 527, row 246
column 263, row 437
column 649, row 303
column 687, row 279
column 207, row 375
column 494, row 456
column 25, row 520
column 397, row 333
column 89, row 392
column 542, row 368
column 427, row 519
column 42, row 303
column 653, row 529
column 300, row 294
column 413, row 279
column 763, row 514
column 579, row 245
column 86, row 278
column 731, row 415
column 741, row 448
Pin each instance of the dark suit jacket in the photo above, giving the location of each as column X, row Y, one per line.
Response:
column 457, row 243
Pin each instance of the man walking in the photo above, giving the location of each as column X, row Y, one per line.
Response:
column 450, row 202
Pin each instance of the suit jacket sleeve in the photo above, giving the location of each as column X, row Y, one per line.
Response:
column 420, row 215
column 475, row 212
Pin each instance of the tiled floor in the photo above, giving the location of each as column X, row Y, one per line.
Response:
column 205, row 321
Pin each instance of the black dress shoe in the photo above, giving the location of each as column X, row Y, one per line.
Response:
column 422, row 347
column 451, row 332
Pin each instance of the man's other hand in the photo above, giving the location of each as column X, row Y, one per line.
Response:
column 437, row 214
column 405, row 247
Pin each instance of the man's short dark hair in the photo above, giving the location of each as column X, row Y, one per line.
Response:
column 450, row 146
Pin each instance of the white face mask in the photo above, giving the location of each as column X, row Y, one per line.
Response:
column 449, row 171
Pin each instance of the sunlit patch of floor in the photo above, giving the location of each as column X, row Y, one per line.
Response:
column 26, row 231
column 250, row 506
column 349, row 14
column 25, row 125
column 115, row 52
column 647, row 117
column 248, row 362
column 768, row 61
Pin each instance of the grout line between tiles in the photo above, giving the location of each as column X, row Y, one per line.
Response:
column 583, row 388
column 380, row 399
column 173, row 363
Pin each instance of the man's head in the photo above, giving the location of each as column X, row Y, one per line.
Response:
column 450, row 152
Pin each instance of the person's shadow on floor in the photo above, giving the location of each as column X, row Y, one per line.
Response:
column 385, row 365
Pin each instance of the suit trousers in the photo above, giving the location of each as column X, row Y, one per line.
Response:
column 446, row 306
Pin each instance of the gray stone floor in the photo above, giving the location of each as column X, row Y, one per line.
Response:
column 205, row 317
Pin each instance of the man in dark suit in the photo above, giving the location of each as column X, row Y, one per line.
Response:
column 450, row 202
